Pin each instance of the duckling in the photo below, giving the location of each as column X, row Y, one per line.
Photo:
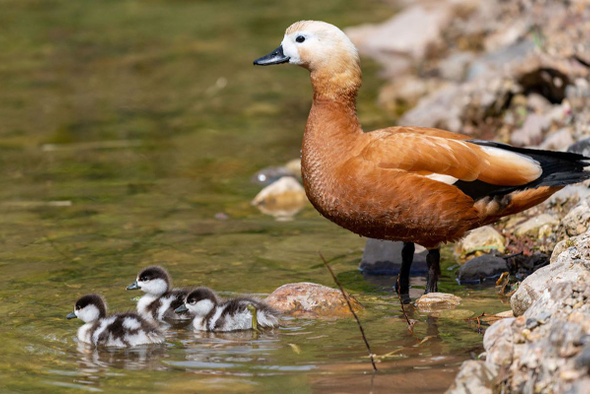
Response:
column 411, row 184
column 159, row 303
column 120, row 330
column 211, row 314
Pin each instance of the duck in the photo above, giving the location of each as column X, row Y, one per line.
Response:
column 416, row 185
column 118, row 330
column 241, row 313
column 160, row 301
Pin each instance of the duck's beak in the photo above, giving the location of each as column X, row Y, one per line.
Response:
column 275, row 57
column 181, row 309
column 133, row 286
column 71, row 315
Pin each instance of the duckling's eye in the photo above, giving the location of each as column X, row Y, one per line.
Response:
column 143, row 278
column 192, row 301
column 78, row 307
column 300, row 39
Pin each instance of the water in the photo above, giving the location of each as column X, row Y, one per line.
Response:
column 128, row 134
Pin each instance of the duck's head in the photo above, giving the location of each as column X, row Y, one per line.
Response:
column 89, row 308
column 199, row 302
column 152, row 280
column 314, row 45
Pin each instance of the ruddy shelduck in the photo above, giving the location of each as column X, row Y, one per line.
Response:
column 411, row 184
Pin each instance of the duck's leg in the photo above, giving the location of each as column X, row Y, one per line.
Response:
column 433, row 263
column 402, row 285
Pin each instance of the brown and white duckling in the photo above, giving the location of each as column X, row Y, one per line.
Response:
column 119, row 330
column 211, row 314
column 159, row 303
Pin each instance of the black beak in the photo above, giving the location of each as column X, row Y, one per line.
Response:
column 71, row 315
column 181, row 309
column 133, row 286
column 275, row 57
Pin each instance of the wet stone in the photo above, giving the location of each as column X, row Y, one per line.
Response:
column 311, row 300
column 474, row 377
column 481, row 269
column 436, row 301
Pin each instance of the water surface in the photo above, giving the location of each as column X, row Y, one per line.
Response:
column 128, row 134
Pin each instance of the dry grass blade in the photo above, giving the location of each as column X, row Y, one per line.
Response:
column 371, row 355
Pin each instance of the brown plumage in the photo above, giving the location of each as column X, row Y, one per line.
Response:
column 411, row 184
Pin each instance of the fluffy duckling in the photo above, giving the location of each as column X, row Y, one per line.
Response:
column 120, row 330
column 211, row 314
column 411, row 184
column 159, row 303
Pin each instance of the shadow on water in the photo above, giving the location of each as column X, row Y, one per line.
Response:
column 129, row 131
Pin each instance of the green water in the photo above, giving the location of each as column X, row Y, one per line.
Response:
column 128, row 134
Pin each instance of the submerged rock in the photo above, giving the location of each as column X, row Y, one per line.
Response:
column 307, row 299
column 436, row 301
column 479, row 269
column 382, row 257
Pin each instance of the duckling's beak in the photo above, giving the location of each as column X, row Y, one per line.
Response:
column 71, row 315
column 181, row 309
column 133, row 286
column 275, row 57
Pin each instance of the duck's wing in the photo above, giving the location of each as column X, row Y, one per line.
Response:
column 433, row 153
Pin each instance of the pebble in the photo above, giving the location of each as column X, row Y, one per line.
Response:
column 436, row 301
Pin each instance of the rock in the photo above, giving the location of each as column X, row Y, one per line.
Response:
column 474, row 377
column 582, row 147
column 281, row 199
column 498, row 342
column 482, row 268
column 558, row 140
column 404, row 38
column 454, row 67
column 522, row 265
column 531, row 132
column 268, row 175
column 311, row 300
column 484, row 238
column 577, row 221
column 385, row 257
column 570, row 266
column 536, row 226
column 436, row 301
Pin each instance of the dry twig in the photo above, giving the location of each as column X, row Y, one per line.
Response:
column 371, row 355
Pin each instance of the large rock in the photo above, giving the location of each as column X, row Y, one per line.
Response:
column 307, row 299
column 382, row 257
column 474, row 377
column 571, row 266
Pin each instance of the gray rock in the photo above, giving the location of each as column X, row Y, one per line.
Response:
column 268, row 175
column 531, row 132
column 474, row 377
column 577, row 220
column 498, row 342
column 582, row 147
column 482, row 268
column 385, row 257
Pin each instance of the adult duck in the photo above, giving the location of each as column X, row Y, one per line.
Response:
column 411, row 184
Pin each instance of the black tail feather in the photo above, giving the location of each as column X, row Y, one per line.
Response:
column 559, row 169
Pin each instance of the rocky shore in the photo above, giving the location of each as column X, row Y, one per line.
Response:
column 516, row 72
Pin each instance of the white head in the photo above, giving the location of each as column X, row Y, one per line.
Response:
column 89, row 308
column 153, row 280
column 200, row 301
column 312, row 44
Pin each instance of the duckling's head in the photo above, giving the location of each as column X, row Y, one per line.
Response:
column 199, row 302
column 152, row 280
column 89, row 308
column 320, row 47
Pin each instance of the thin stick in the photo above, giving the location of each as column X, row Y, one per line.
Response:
column 399, row 296
column 351, row 310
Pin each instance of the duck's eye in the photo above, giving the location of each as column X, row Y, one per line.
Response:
column 77, row 307
column 143, row 278
column 300, row 39
column 191, row 301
